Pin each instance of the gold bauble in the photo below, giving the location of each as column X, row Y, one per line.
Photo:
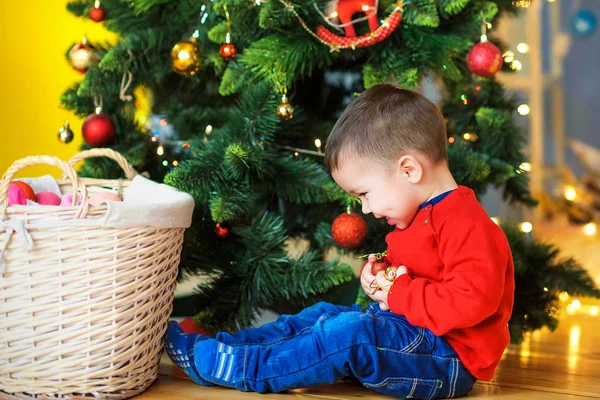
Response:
column 82, row 56
column 186, row 57
column 285, row 110
column 65, row 134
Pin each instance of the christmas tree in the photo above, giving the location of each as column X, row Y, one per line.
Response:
column 244, row 93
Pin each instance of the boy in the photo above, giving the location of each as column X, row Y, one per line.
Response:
column 439, row 326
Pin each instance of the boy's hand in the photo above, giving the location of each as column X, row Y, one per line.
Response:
column 377, row 286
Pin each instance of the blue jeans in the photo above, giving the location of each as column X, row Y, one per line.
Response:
column 325, row 343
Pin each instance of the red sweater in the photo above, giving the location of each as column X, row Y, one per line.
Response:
column 460, row 282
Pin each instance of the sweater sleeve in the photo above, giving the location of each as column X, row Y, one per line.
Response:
column 475, row 256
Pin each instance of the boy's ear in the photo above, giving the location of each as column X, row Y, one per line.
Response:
column 410, row 168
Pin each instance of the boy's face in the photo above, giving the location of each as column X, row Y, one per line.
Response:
column 385, row 192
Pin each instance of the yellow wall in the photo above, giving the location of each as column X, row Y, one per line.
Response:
column 34, row 36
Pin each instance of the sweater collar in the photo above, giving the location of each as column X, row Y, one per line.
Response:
column 436, row 199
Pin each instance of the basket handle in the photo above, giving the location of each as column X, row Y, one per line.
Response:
column 130, row 172
column 68, row 171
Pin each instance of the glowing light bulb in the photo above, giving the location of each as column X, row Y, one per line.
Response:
column 522, row 48
column 570, row 193
column 526, row 227
column 318, row 143
column 594, row 311
column 160, row 150
column 208, row 129
column 508, row 56
column 590, row 229
column 516, row 65
column 525, row 167
column 563, row 296
column 523, row 109
column 496, row 221
column 576, row 304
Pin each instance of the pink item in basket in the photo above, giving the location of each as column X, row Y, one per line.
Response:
column 47, row 199
column 103, row 197
column 16, row 195
column 67, row 200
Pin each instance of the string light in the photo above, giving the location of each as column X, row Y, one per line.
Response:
column 165, row 163
column 163, row 122
column 522, row 48
column 160, row 150
column 526, row 227
column 451, row 140
column 154, row 138
column 516, row 65
column 185, row 145
column 594, row 311
column 576, row 304
column 318, row 144
column 522, row 3
column 525, row 166
column 508, row 56
column 523, row 109
column 570, row 193
column 470, row 136
column 208, row 129
column 495, row 220
column 590, row 229
column 563, row 296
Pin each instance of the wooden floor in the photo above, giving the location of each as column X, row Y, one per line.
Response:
column 564, row 365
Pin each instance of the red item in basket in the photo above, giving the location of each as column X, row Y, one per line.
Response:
column 189, row 326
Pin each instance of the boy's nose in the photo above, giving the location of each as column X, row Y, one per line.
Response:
column 365, row 208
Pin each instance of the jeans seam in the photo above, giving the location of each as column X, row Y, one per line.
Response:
column 274, row 341
column 415, row 343
column 452, row 382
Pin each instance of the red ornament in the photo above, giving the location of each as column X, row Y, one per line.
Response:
column 222, row 231
column 189, row 326
column 348, row 230
column 345, row 10
column 484, row 59
column 98, row 130
column 97, row 13
column 228, row 51
column 378, row 266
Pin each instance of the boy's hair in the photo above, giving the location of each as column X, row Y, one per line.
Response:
column 383, row 124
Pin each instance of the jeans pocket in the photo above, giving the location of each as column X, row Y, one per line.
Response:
column 407, row 388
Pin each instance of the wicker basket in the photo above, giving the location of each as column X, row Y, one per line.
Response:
column 83, row 307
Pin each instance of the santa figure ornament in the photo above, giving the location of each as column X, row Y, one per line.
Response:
column 343, row 10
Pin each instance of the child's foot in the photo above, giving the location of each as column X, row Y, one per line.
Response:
column 180, row 349
column 220, row 363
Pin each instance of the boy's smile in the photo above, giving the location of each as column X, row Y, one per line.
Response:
column 385, row 192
